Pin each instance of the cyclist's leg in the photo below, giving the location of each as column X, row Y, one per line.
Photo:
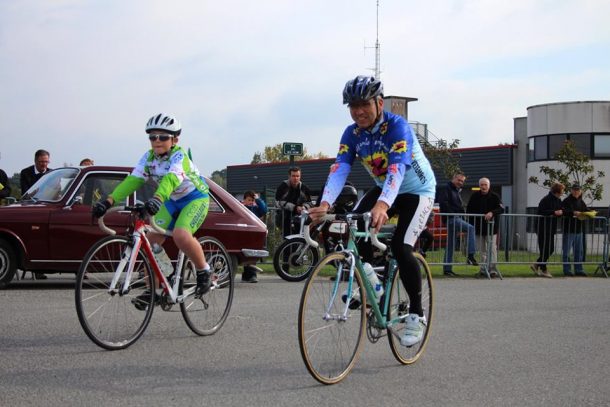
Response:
column 192, row 215
column 164, row 220
column 365, row 204
column 413, row 211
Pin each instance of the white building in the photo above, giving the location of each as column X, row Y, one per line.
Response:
column 541, row 134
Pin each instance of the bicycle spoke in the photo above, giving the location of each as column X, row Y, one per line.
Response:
column 399, row 309
column 111, row 320
column 205, row 315
column 329, row 347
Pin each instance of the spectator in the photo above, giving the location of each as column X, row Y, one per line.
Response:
column 33, row 173
column 291, row 196
column 5, row 185
column 549, row 207
column 85, row 162
column 30, row 175
column 259, row 208
column 572, row 207
column 490, row 204
column 451, row 202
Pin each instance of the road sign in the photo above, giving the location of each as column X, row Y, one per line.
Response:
column 292, row 148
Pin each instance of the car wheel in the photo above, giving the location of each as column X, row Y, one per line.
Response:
column 8, row 263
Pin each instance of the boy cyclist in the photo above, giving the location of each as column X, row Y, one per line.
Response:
column 404, row 182
column 180, row 202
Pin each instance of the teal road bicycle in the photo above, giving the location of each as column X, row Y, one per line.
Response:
column 336, row 308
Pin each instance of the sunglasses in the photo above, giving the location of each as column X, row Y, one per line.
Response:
column 161, row 137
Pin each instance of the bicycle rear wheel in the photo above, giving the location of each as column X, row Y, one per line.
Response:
column 399, row 309
column 329, row 343
column 206, row 314
column 294, row 259
column 111, row 319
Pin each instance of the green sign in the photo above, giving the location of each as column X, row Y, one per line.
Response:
column 292, row 148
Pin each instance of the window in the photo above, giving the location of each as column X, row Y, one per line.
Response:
column 601, row 145
column 530, row 149
column 555, row 144
column 582, row 143
column 541, row 151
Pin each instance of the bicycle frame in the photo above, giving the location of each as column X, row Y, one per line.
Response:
column 351, row 252
column 130, row 256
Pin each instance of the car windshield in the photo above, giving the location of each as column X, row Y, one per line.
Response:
column 52, row 186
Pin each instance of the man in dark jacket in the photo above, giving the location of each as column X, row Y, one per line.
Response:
column 573, row 235
column 5, row 185
column 292, row 196
column 450, row 202
column 33, row 173
column 258, row 207
column 30, row 175
column 549, row 207
column 489, row 204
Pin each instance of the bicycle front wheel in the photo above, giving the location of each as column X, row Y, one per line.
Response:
column 294, row 259
column 399, row 309
column 113, row 319
column 206, row 314
column 330, row 335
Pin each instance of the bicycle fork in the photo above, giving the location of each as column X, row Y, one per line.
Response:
column 342, row 317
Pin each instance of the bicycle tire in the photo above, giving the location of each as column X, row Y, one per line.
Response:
column 205, row 315
column 112, row 321
column 399, row 306
column 330, row 347
column 291, row 264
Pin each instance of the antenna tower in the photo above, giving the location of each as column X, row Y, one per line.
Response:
column 377, row 68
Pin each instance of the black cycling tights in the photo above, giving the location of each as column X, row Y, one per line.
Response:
column 404, row 206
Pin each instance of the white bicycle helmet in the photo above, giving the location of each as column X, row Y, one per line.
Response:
column 164, row 122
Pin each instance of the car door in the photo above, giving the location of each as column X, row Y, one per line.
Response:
column 72, row 228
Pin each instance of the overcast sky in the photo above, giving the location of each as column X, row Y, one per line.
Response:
column 81, row 78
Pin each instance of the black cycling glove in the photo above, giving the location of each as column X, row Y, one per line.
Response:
column 100, row 208
column 153, row 205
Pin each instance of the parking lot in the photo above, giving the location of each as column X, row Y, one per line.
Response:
column 522, row 342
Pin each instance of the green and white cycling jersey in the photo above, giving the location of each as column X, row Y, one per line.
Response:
column 174, row 172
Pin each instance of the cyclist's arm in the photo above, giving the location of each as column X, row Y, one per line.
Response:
column 133, row 181
column 125, row 188
column 334, row 184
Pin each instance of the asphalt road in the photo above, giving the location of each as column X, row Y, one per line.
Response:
column 516, row 342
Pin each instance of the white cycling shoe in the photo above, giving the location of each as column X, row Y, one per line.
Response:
column 414, row 331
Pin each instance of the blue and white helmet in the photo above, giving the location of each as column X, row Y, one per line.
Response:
column 164, row 122
column 361, row 89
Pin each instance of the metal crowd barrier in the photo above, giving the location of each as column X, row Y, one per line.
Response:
column 516, row 241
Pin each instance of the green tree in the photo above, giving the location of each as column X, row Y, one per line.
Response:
column 577, row 169
column 274, row 154
column 441, row 156
column 220, row 177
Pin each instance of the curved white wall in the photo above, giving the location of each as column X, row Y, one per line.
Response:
column 562, row 118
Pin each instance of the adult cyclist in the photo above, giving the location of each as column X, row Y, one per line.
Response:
column 180, row 202
column 404, row 180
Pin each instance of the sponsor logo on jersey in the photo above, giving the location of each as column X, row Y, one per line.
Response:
column 399, row 147
column 343, row 149
column 384, row 128
column 377, row 164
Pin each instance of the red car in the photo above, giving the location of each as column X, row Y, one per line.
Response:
column 51, row 228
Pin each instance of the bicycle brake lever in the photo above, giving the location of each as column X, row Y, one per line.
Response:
column 367, row 222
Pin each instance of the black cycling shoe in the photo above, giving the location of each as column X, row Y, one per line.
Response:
column 141, row 302
column 204, row 282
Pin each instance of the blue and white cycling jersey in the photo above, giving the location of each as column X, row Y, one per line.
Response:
column 392, row 155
